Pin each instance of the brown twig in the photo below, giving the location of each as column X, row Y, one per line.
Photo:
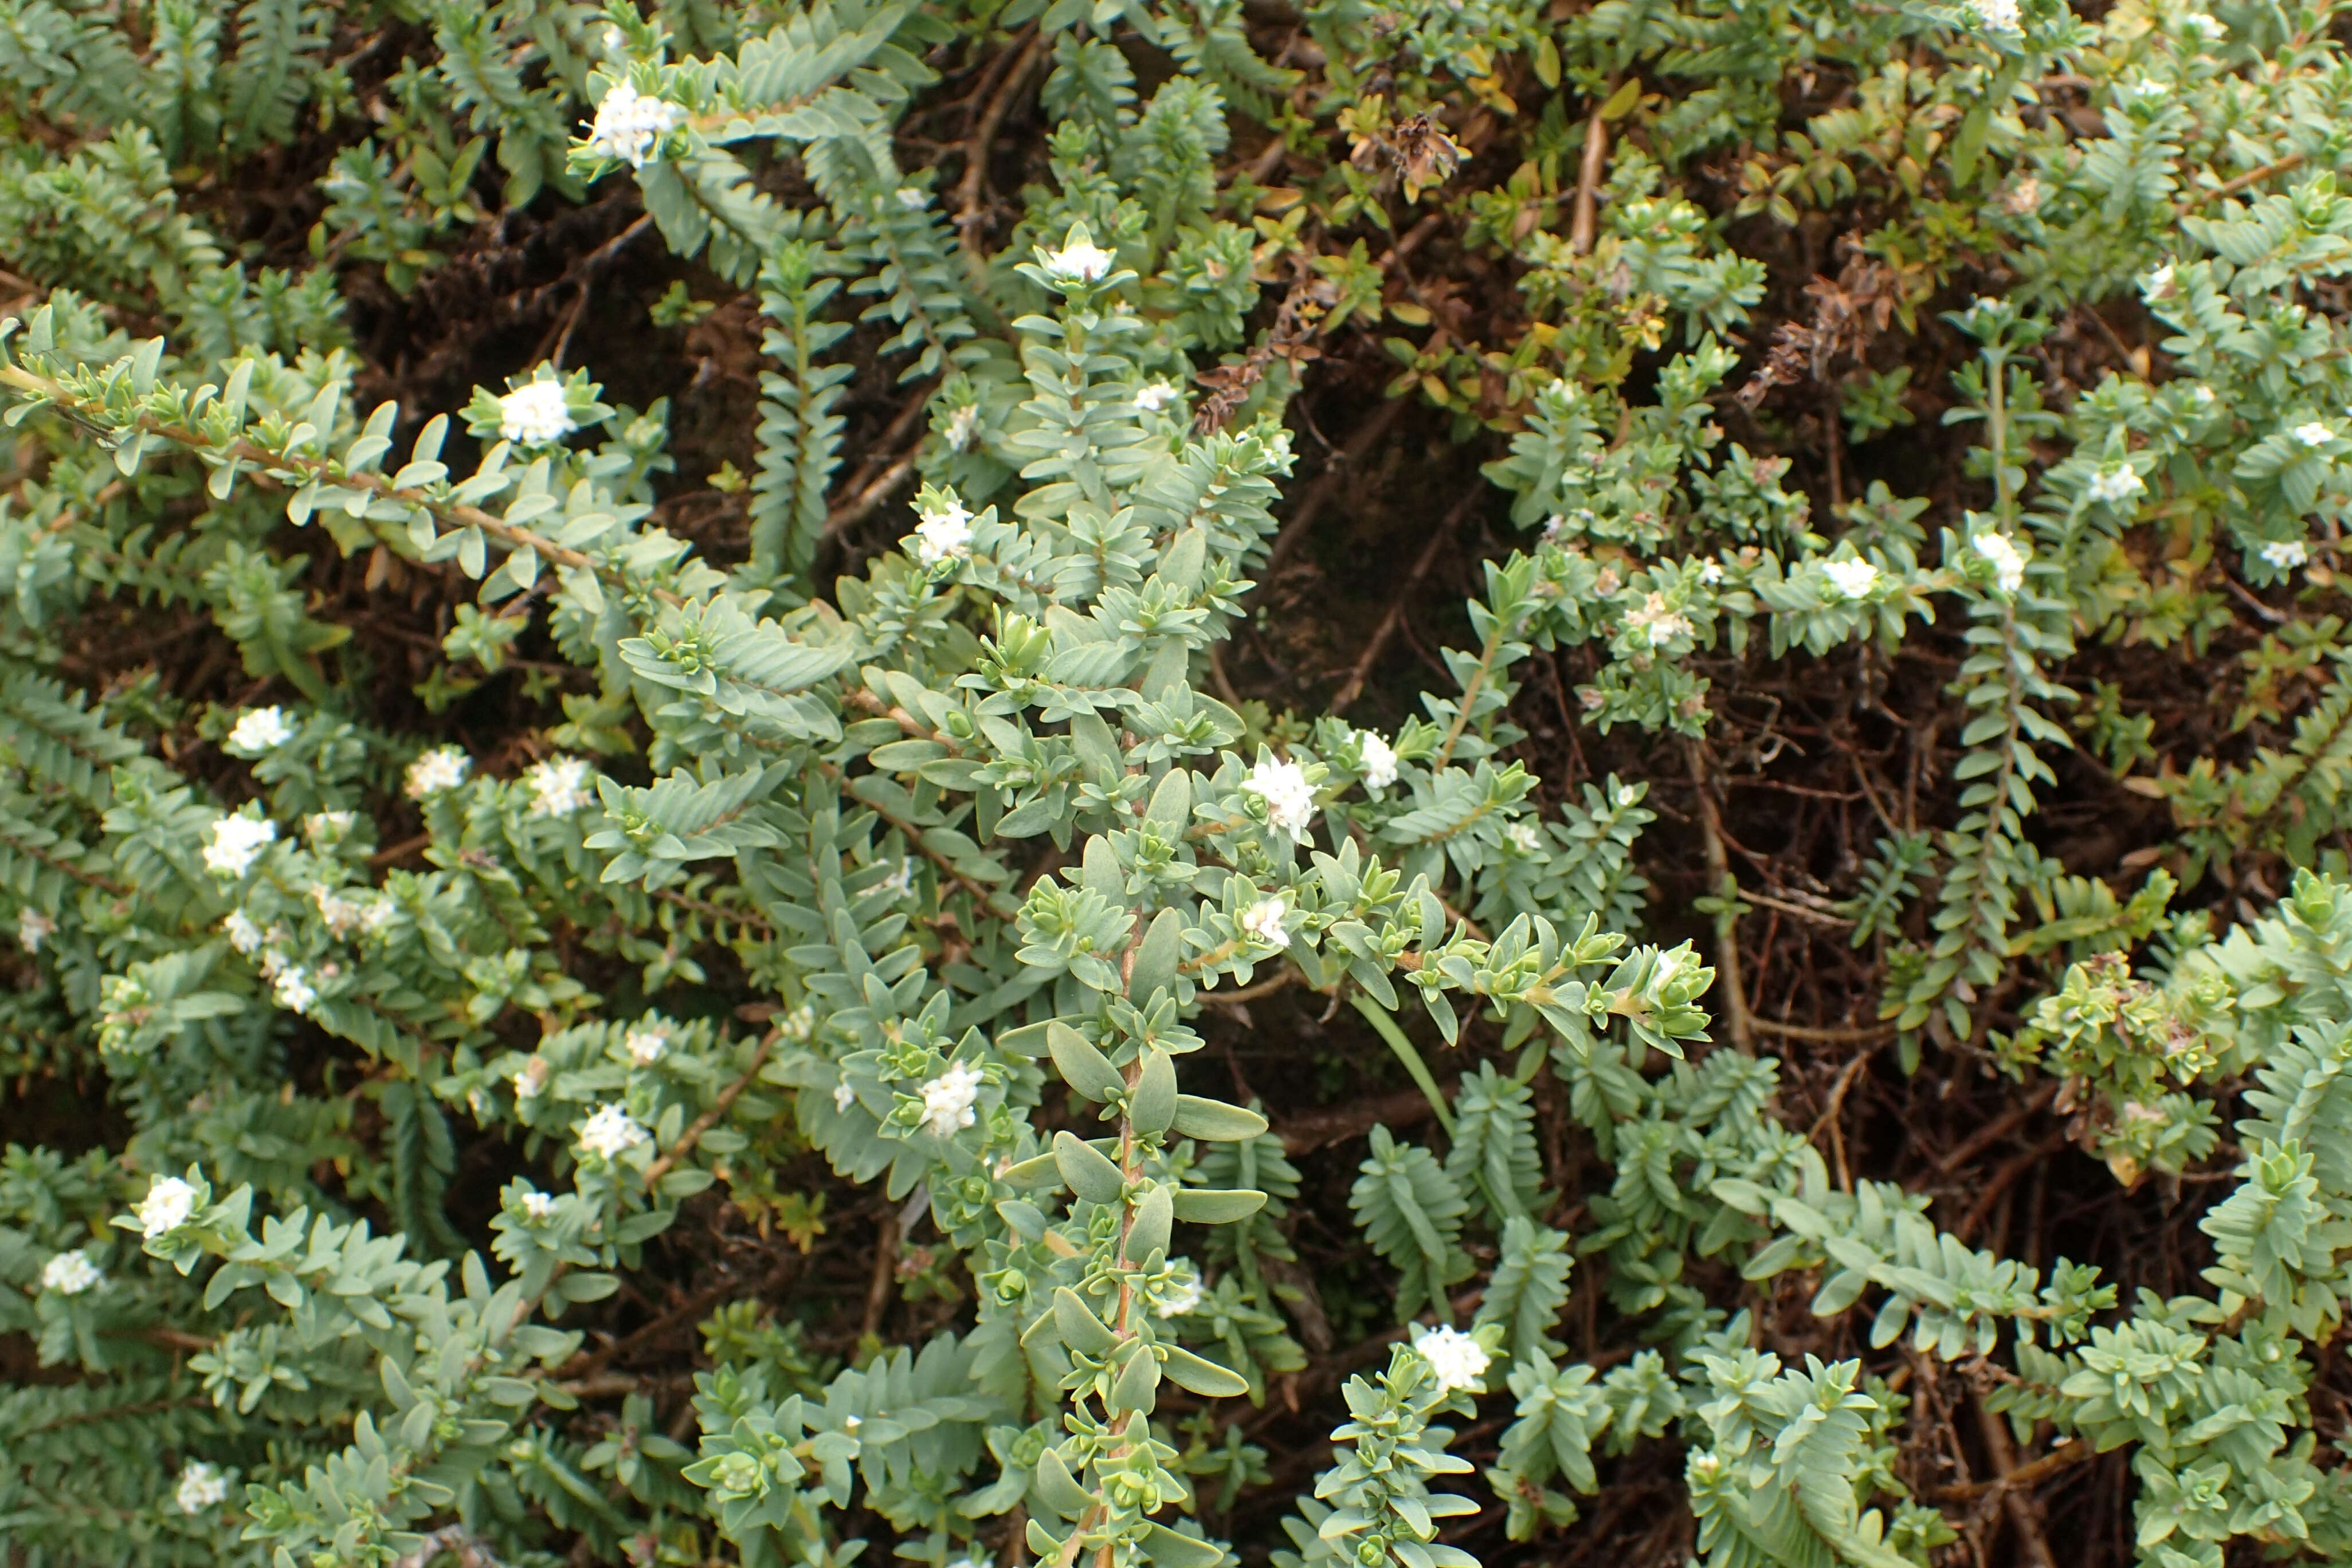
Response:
column 2065, row 1456
column 972, row 188
column 2024, row 1513
column 1737, row 1021
column 1354, row 687
column 885, row 1268
column 1326, row 483
column 1828, row 1116
column 2229, row 188
column 1868, row 1034
column 850, row 513
column 1587, row 179
column 709, row 1119
column 1317, row 1129
column 1993, row 1132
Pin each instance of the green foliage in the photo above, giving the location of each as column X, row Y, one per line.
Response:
column 418, row 1053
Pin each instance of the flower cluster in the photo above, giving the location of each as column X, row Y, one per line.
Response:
column 942, row 531
column 2008, row 560
column 236, row 842
column 260, row 730
column 610, row 1132
column 1854, row 579
column 70, row 1273
column 1263, row 921
column 1289, row 798
column 559, row 786
column 166, row 1207
column 441, row 768
column 201, row 1486
column 1459, row 1360
column 629, row 126
column 535, row 413
column 949, row 1099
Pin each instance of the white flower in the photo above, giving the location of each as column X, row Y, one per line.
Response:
column 1997, row 15
column 69, row 1273
column 260, row 730
column 530, row 1078
column 1289, row 798
column 293, row 990
column 535, row 412
column 1184, row 1299
column 943, row 531
column 538, row 1205
column 2204, row 26
column 948, row 1099
column 1658, row 625
column 166, row 1207
column 236, row 841
column 1079, row 262
column 34, row 928
column 272, row 960
column 1263, row 921
column 900, row 883
column 559, row 786
column 443, row 767
column 202, row 1486
column 1711, row 574
column 340, row 914
column 376, row 915
column 1459, row 1360
column 2204, row 396
column 961, row 424
column 910, row 199
column 2286, row 554
column 2157, row 282
column 646, row 1046
column 1156, row 396
column 1379, row 760
column 2313, row 434
column 799, row 1024
column 1525, row 836
column 322, row 824
column 629, row 125
column 843, row 1095
column 1852, row 579
column 2114, row 485
column 2008, row 560
column 611, row 1131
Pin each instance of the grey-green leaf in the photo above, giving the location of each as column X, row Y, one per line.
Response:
column 1215, row 1120
column 1204, row 1377
column 1082, row 1067
column 1204, row 1205
column 1155, row 960
column 1091, row 1176
column 1154, row 1106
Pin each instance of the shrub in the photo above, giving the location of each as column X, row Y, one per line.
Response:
column 591, row 994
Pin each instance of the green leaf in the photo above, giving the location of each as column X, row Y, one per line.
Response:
column 1082, row 1067
column 1091, row 1176
column 1155, row 959
column 1058, row 1489
column 1214, row 1120
column 1204, row 1205
column 1203, row 1377
column 1081, row 1330
column 1153, row 1104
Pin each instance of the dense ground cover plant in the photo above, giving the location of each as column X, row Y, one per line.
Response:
column 697, row 873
